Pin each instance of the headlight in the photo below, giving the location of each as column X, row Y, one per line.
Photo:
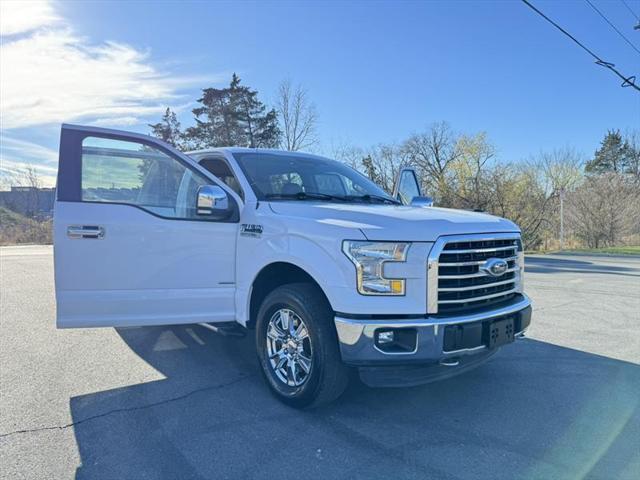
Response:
column 369, row 259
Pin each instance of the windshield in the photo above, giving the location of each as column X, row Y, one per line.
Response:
column 286, row 177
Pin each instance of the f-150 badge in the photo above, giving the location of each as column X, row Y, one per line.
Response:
column 251, row 230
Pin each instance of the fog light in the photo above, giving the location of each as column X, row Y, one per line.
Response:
column 385, row 337
column 396, row 340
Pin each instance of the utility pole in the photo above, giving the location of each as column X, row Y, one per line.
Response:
column 562, row 218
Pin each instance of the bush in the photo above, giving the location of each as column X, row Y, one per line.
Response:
column 604, row 210
column 17, row 229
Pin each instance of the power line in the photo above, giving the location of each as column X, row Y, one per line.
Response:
column 612, row 25
column 626, row 81
column 637, row 27
column 629, row 8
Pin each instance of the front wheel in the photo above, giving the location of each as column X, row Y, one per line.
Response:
column 298, row 348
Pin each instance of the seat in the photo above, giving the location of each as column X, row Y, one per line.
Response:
column 291, row 189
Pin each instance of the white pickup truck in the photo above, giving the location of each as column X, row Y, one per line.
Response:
column 333, row 274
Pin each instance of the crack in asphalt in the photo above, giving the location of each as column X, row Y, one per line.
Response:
column 128, row 409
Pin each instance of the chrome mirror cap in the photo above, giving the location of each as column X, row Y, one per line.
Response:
column 422, row 202
column 211, row 199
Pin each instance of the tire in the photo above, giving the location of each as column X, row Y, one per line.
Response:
column 327, row 377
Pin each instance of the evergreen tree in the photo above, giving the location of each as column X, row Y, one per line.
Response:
column 168, row 129
column 233, row 116
column 614, row 155
column 268, row 133
column 370, row 170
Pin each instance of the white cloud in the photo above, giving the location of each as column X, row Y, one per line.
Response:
column 20, row 16
column 16, row 155
column 49, row 75
column 115, row 122
column 27, row 149
column 52, row 75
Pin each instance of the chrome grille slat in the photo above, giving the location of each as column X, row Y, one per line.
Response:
column 478, row 262
column 470, row 275
column 474, row 299
column 455, row 281
column 476, row 287
column 482, row 250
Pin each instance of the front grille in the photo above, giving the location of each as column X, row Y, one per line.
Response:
column 462, row 286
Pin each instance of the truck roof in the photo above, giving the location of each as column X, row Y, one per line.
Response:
column 251, row 150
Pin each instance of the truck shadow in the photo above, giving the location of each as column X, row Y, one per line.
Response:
column 535, row 410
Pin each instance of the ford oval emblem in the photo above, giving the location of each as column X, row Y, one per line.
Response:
column 495, row 267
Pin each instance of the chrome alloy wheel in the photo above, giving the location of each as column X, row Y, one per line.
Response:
column 289, row 347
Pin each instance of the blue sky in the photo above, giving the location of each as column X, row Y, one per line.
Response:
column 377, row 71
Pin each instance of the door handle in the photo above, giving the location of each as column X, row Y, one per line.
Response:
column 85, row 231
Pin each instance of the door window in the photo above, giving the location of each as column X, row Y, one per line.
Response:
column 115, row 171
column 220, row 169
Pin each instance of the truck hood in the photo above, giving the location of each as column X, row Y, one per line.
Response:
column 396, row 222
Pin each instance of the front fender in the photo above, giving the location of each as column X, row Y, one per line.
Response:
column 336, row 276
column 331, row 270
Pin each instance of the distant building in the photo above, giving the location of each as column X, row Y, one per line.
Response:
column 29, row 201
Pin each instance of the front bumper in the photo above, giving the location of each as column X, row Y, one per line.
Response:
column 357, row 338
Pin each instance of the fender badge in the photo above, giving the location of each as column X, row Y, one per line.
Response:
column 251, row 230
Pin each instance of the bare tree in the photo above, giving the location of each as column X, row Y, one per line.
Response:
column 471, row 172
column 298, row 116
column 558, row 172
column 561, row 169
column 432, row 152
column 380, row 163
column 632, row 139
column 346, row 153
column 32, row 179
column 383, row 162
column 514, row 192
column 28, row 183
column 604, row 209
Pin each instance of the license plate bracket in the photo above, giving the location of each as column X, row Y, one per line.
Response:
column 500, row 333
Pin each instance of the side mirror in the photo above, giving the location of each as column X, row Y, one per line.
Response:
column 212, row 200
column 406, row 186
column 422, row 202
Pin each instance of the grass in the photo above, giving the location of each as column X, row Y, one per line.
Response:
column 630, row 250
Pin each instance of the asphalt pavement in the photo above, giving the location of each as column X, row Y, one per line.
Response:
column 183, row 402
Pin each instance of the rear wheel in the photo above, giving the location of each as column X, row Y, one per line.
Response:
column 298, row 348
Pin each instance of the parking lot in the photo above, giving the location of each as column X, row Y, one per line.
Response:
column 184, row 402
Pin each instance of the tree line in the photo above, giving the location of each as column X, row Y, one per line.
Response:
column 558, row 197
column 235, row 116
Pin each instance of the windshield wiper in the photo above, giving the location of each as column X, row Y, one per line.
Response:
column 304, row 196
column 369, row 198
column 325, row 196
